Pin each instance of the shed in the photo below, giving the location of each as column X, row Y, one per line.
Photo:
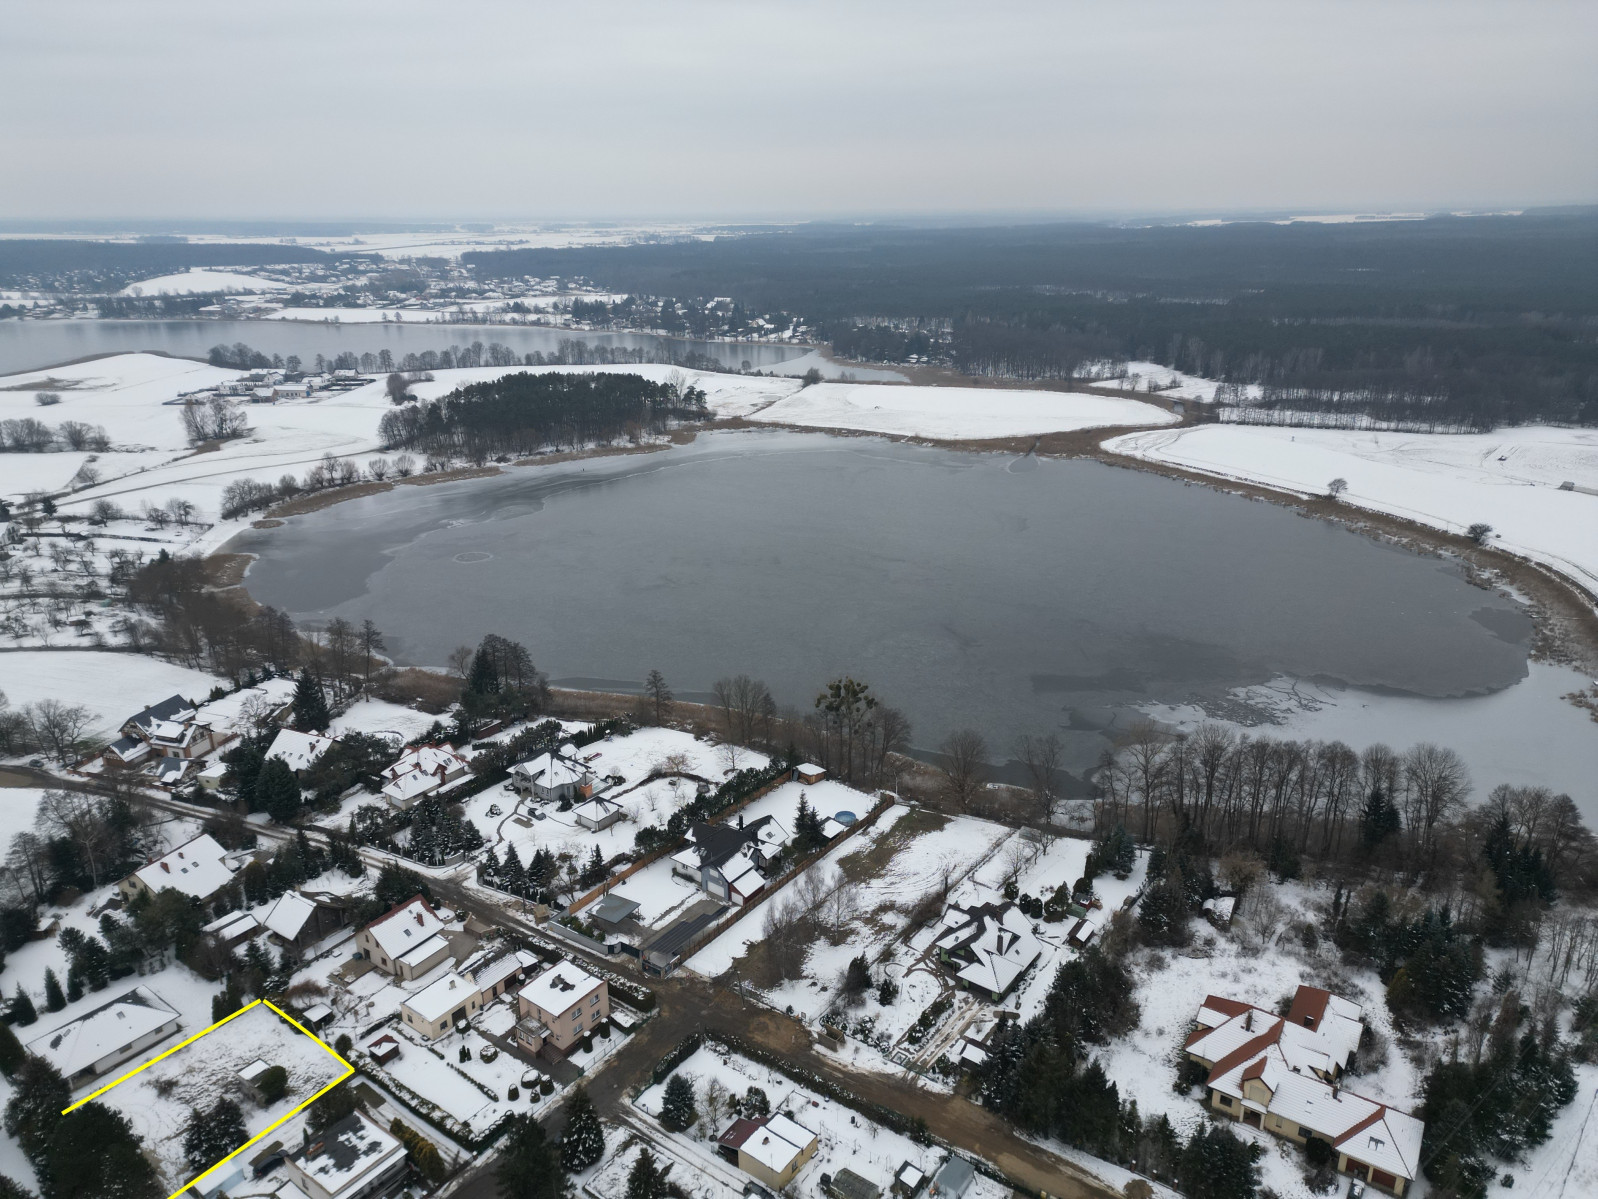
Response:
column 611, row 911
column 953, row 1179
column 846, row 1184
column 809, row 772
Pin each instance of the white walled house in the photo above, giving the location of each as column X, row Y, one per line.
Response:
column 408, row 942
column 199, row 868
column 433, row 1010
column 102, row 1039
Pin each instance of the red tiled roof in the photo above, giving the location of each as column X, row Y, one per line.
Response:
column 1248, row 1050
column 740, row 1131
column 1255, row 1070
column 1363, row 1124
column 1309, row 1002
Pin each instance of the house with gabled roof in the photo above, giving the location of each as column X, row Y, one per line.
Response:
column 987, row 946
column 199, row 868
column 299, row 751
column 408, row 941
column 99, row 1040
column 1283, row 1074
column 731, row 862
column 419, row 772
column 771, row 1148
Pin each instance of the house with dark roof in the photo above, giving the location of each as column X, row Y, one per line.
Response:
column 731, row 862
column 772, row 1149
column 1283, row 1074
column 142, row 724
column 987, row 946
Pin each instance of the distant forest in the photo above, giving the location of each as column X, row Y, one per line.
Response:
column 524, row 413
column 26, row 262
column 1463, row 322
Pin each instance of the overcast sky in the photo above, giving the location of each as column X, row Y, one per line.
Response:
column 461, row 110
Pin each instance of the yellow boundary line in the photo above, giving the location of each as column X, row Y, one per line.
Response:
column 261, row 1136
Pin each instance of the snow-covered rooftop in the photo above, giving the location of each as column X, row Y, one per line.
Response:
column 288, row 915
column 436, row 1000
column 560, row 987
column 196, row 868
column 299, row 750
column 348, row 1155
column 77, row 1045
column 407, row 926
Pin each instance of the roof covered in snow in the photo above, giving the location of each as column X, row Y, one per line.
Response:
column 197, row 868
column 288, row 916
column 78, row 1044
column 299, row 750
column 349, row 1154
column 436, row 1000
column 406, row 927
column 560, row 987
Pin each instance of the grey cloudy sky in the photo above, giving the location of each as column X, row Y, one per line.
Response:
column 490, row 110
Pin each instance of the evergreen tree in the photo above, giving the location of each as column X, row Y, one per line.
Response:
column 10, row 1189
column 212, row 1135
column 11, row 1051
column 310, row 713
column 1162, row 916
column 584, row 1142
column 677, row 1106
column 38, row 1096
column 529, row 1167
column 1217, row 1164
column 856, row 978
column 483, row 677
column 54, row 998
column 336, row 1105
column 645, row 1180
column 1380, row 819
column 94, row 1154
column 277, row 791
column 755, row 1105
column 512, row 875
column 74, row 987
column 807, row 828
column 22, row 1012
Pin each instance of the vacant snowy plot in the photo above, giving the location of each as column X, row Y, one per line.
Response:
column 951, row 413
column 159, row 1100
column 1509, row 478
column 112, row 686
column 187, row 283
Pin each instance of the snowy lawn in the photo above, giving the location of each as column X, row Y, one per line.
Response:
column 1508, row 478
column 847, row 1139
column 158, row 1100
column 199, row 279
column 955, row 412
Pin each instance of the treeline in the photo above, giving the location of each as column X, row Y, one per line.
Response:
column 570, row 351
column 1477, row 321
column 29, row 435
column 526, row 413
column 1290, row 800
column 65, row 264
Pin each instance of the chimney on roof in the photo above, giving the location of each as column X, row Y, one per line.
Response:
column 1248, row 1020
column 165, row 867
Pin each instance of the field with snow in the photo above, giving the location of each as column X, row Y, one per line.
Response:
column 112, row 686
column 1508, row 478
column 955, row 413
column 199, row 279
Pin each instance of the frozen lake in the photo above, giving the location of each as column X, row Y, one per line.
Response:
column 1009, row 595
column 30, row 345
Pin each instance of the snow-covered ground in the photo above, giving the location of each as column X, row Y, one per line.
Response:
column 158, row 1100
column 847, row 1139
column 1151, row 376
column 1508, row 479
column 199, row 279
column 112, row 686
column 953, row 413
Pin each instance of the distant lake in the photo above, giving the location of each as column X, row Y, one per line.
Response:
column 1012, row 595
column 30, row 345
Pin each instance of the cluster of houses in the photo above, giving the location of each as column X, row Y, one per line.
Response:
column 1283, row 1074
column 418, row 772
column 268, row 386
column 168, row 740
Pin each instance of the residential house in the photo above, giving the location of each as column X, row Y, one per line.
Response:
column 987, row 946
column 297, row 920
column 128, row 750
column 771, row 1149
column 731, row 862
column 174, row 708
column 199, row 868
column 597, row 812
column 234, row 929
column 100, row 1040
column 1283, row 1074
column 419, row 772
column 552, row 777
column 299, row 751
column 352, row 1159
column 495, row 972
column 559, row 1007
column 437, row 1007
column 407, row 942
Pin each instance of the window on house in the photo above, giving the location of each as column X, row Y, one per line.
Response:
column 594, row 1002
column 576, row 1015
column 1226, row 1100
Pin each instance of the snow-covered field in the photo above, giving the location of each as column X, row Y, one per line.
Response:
column 953, row 413
column 112, row 686
column 1509, row 478
column 1144, row 376
column 847, row 1140
column 199, row 279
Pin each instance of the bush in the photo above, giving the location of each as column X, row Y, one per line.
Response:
column 273, row 1085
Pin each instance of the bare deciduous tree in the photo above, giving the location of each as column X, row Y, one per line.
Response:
column 59, row 727
column 965, row 764
column 1040, row 756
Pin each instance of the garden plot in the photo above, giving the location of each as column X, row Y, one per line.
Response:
column 827, row 798
column 660, row 895
column 609, row 1178
column 158, row 1100
column 847, row 1139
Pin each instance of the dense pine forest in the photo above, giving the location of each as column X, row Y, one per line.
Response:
column 1463, row 322
column 525, row 413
